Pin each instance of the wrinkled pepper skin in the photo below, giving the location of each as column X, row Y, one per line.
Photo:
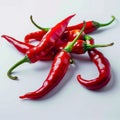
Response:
column 58, row 70
column 104, row 69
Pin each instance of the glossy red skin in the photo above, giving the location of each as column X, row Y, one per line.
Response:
column 90, row 27
column 58, row 70
column 48, row 41
column 66, row 36
column 24, row 47
column 34, row 36
column 78, row 48
column 20, row 46
column 104, row 69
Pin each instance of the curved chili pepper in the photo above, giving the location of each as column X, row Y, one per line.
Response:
column 58, row 70
column 47, row 44
column 21, row 46
column 24, row 47
column 104, row 69
column 91, row 26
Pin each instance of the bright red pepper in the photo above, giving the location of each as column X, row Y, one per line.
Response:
column 20, row 46
column 91, row 26
column 47, row 44
column 34, row 36
column 48, row 41
column 24, row 47
column 58, row 70
column 104, row 69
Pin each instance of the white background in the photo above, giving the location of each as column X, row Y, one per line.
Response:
column 69, row 100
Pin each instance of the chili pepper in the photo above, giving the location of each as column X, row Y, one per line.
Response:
column 104, row 69
column 91, row 26
column 24, row 47
column 34, row 36
column 47, row 44
column 21, row 46
column 58, row 70
column 81, row 46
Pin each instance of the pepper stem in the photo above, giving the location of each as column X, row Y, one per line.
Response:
column 89, row 46
column 97, row 24
column 87, row 37
column 39, row 27
column 69, row 47
column 25, row 59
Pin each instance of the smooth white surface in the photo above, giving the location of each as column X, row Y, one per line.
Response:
column 69, row 100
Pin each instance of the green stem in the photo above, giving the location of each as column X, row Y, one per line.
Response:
column 87, row 37
column 69, row 47
column 25, row 59
column 39, row 27
column 88, row 46
column 103, row 24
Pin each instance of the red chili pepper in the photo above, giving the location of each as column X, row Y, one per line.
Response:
column 48, row 41
column 58, row 70
column 34, row 36
column 24, row 47
column 47, row 44
column 91, row 26
column 104, row 69
column 21, row 46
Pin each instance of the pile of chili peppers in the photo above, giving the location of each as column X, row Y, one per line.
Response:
column 57, row 44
